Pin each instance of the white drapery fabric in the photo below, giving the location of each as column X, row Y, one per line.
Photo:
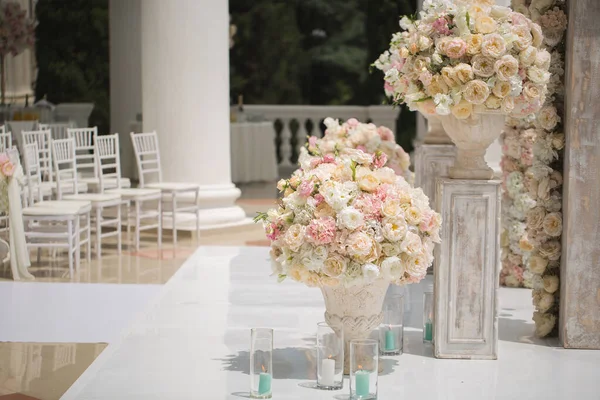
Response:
column 253, row 154
column 19, row 254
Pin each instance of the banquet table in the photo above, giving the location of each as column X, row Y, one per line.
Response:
column 192, row 342
column 253, row 154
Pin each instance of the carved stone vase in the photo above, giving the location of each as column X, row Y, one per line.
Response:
column 435, row 131
column 357, row 309
column 472, row 137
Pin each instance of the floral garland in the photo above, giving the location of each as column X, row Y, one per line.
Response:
column 532, row 180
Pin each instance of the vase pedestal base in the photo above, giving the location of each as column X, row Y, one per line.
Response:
column 432, row 161
column 467, row 270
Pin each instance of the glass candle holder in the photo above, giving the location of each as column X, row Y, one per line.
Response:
column 364, row 369
column 428, row 315
column 330, row 357
column 391, row 331
column 261, row 363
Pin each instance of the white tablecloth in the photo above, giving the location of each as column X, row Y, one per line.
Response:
column 253, row 157
column 192, row 343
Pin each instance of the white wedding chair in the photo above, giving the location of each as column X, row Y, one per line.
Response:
column 109, row 167
column 85, row 138
column 147, row 157
column 5, row 141
column 65, row 170
column 58, row 129
column 43, row 139
column 51, row 224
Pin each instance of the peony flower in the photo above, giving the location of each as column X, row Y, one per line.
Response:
column 335, row 265
column 359, row 245
column 294, row 237
column 493, row 45
column 506, row 67
column 350, row 218
column 493, row 102
column 485, row 24
column 8, row 169
column 476, row 91
column 462, row 110
column 531, row 91
column 483, row 66
column 394, row 230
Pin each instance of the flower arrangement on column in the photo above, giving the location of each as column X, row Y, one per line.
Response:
column 532, row 178
column 17, row 32
column 349, row 225
column 468, row 62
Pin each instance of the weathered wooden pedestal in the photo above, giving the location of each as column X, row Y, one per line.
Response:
column 466, row 270
column 431, row 162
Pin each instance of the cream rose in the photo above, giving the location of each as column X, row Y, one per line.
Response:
column 455, row 48
column 386, row 175
column 548, row 118
column 493, row 45
column 367, row 180
column 551, row 250
column 390, row 249
column 476, row 91
column 501, row 89
column 391, row 208
column 335, row 265
column 483, row 66
column 441, row 43
column 474, row 44
column 558, row 142
column 506, row 67
column 536, row 33
column 394, row 230
column 535, row 218
column 531, row 91
column 508, row 105
column 524, row 37
column 411, row 245
column 500, row 12
column 416, row 266
column 413, row 216
column 350, row 218
column 294, row 237
column 551, row 283
column 463, row 72
column 528, row 56
column 450, row 77
column 553, row 224
column 538, row 75
column 359, row 245
column 485, row 24
column 537, row 264
column 543, row 59
column 462, row 110
column 546, row 301
column 437, row 86
column 493, row 102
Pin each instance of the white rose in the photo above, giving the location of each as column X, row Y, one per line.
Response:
column 485, row 24
column 500, row 12
column 370, row 272
column 536, row 33
column 350, row 218
column 493, row 102
column 390, row 249
column 524, row 37
column 413, row 216
column 335, row 265
column 391, row 208
column 474, row 44
column 386, row 175
column 551, row 250
column 411, row 245
column 358, row 156
column 506, row 67
column 531, row 91
column 294, row 237
column 483, row 66
column 551, row 283
column 416, row 266
column 366, row 179
column 394, row 230
column 538, row 75
column 501, row 89
column 537, row 264
column 463, row 72
column 392, row 268
column 359, row 245
column 548, row 118
column 528, row 56
column 462, row 110
column 543, row 59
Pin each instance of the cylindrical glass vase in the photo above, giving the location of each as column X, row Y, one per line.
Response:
column 428, row 315
column 391, row 330
column 364, row 369
column 330, row 357
column 261, row 363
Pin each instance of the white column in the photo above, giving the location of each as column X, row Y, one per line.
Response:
column 185, row 92
column 125, row 75
column 20, row 72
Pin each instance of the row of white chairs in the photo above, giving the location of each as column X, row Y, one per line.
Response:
column 80, row 212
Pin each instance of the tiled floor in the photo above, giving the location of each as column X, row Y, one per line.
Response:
column 46, row 370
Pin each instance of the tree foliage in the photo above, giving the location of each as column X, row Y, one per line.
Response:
column 72, row 55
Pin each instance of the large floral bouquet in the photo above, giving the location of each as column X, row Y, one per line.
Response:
column 347, row 219
column 467, row 56
column 7, row 170
column 357, row 135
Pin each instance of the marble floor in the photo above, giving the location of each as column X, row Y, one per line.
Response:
column 53, row 328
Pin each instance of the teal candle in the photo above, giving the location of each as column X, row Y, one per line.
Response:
column 362, row 382
column 390, row 340
column 428, row 331
column 264, row 383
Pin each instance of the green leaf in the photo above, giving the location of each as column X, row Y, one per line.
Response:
column 353, row 167
column 422, row 100
column 281, row 278
column 260, row 216
column 468, row 21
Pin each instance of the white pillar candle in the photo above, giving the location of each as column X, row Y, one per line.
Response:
column 327, row 372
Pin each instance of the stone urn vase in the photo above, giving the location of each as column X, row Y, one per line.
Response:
column 435, row 131
column 472, row 137
column 357, row 309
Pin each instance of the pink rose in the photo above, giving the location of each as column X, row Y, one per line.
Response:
column 319, row 199
column 440, row 25
column 272, row 231
column 362, row 148
column 8, row 169
column 3, row 158
column 314, row 163
column 379, row 159
column 385, row 134
column 306, row 188
column 329, row 158
column 456, row 48
column 352, row 122
column 428, row 221
column 321, row 231
column 389, row 89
